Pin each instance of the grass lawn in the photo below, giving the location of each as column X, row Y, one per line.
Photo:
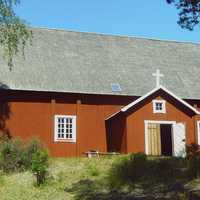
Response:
column 87, row 179
column 63, row 173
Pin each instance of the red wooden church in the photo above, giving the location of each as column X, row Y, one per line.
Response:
column 84, row 91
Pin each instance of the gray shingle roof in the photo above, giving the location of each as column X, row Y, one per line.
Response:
column 68, row 61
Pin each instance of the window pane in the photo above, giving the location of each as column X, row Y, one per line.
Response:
column 158, row 106
column 64, row 129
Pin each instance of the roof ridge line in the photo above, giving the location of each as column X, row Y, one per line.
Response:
column 115, row 35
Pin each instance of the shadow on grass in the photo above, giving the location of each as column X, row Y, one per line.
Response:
column 136, row 179
column 92, row 190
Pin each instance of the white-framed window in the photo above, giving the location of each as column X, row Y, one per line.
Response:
column 198, row 132
column 65, row 128
column 159, row 106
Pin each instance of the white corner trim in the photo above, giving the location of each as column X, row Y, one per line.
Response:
column 163, row 102
column 124, row 109
column 198, row 132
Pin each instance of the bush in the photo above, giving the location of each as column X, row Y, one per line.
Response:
column 39, row 165
column 11, row 156
column 137, row 168
column 16, row 156
column 127, row 170
column 30, row 149
column 193, row 158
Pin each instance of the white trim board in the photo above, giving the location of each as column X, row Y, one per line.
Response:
column 198, row 132
column 124, row 109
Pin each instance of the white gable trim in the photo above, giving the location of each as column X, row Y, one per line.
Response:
column 124, row 109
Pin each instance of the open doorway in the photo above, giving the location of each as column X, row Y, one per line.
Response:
column 158, row 138
column 166, row 139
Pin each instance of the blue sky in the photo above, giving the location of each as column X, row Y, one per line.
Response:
column 142, row 18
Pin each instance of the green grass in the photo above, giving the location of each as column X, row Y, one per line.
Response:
column 63, row 173
column 80, row 179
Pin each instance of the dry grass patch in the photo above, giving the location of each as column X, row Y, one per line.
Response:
column 63, row 173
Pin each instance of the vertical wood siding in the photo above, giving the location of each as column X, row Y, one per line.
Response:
column 31, row 114
column 174, row 112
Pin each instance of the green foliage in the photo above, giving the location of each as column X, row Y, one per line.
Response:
column 137, row 168
column 11, row 158
column 13, row 31
column 30, row 149
column 189, row 12
column 16, row 156
column 193, row 158
column 72, row 181
column 39, row 165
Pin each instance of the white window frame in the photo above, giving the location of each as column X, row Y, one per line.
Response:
column 163, row 102
column 73, row 139
column 198, row 132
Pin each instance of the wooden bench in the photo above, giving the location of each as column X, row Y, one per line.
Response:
column 93, row 153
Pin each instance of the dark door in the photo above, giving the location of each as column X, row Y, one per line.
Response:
column 166, row 139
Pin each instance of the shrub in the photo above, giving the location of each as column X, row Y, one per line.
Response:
column 30, row 149
column 39, row 165
column 137, row 168
column 193, row 158
column 11, row 158
column 16, row 156
column 127, row 170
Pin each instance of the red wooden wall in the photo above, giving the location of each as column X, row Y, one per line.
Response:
column 135, row 117
column 31, row 114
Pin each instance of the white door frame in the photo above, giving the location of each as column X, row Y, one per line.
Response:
column 158, row 122
column 198, row 132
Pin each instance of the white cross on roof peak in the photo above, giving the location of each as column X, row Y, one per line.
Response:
column 158, row 75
